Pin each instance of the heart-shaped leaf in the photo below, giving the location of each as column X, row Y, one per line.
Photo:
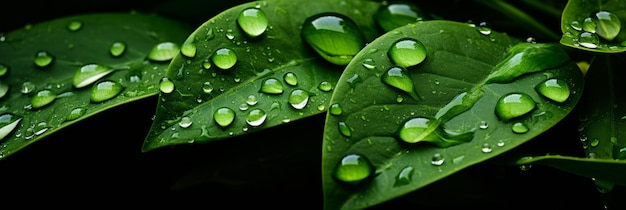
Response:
column 395, row 126
column 594, row 25
column 249, row 68
column 58, row 72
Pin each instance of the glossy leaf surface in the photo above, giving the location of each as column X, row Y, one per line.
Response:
column 473, row 97
column 594, row 25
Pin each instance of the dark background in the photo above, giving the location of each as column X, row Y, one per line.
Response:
column 99, row 162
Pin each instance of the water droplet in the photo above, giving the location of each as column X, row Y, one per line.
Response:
column 354, row 80
column 333, row 36
column 405, row 176
column 251, row 100
column 188, row 49
column 588, row 40
column 437, row 159
column 89, row 74
column 8, row 122
column 486, row 148
column 3, row 70
column 166, row 85
column 589, row 25
column 554, row 89
column 407, row 52
column 344, row 129
column 483, row 125
column 256, row 117
column 75, row 25
column 185, row 122
column 353, row 168
column 398, row 14
column 206, row 64
column 519, row 127
column 298, row 98
column 117, row 49
column 369, row 64
column 608, row 25
column 224, row 116
column 252, row 21
column 271, row 86
column 526, row 58
column 290, row 78
column 576, row 25
column 42, row 98
column 594, row 142
column 27, row 87
column 483, row 28
column 514, row 105
column 75, row 113
column 500, row 143
column 164, row 51
column 224, row 58
column 422, row 129
column 207, row 87
column 105, row 90
column 335, row 109
column 230, row 34
column 325, row 86
column 398, row 77
column 43, row 58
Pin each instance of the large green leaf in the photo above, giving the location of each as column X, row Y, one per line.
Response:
column 448, row 103
column 594, row 25
column 186, row 115
column 39, row 100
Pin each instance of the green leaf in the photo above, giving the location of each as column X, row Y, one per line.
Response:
column 395, row 134
column 594, row 25
column 38, row 100
column 278, row 57
column 598, row 169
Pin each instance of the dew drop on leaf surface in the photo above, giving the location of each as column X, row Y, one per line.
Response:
column 333, row 36
column 353, row 168
column 252, row 21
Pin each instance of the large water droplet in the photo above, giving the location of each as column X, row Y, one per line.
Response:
column 589, row 25
column 75, row 25
column 207, row 87
column 353, row 168
column 422, row 129
column 117, row 49
column 256, row 117
column 398, row 77
column 298, row 98
column 8, row 122
column 105, row 90
column 164, row 51
column 252, row 21
column 290, row 78
column 89, row 74
column 405, row 176
column 344, row 129
column 325, row 86
column 554, row 89
column 407, row 52
column 43, row 58
column 224, row 116
column 224, row 58
column 608, row 25
column 526, row 58
column 398, row 14
column 588, row 40
column 42, row 98
column 514, row 105
column 333, row 36
column 188, row 49
column 271, row 86
column 519, row 127
column 335, row 109
column 166, row 85
column 185, row 122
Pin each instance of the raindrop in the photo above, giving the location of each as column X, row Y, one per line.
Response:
column 298, row 98
column 271, row 86
column 500, row 143
column 27, row 87
column 483, row 125
column 230, row 35
column 335, row 109
column 486, row 148
column 369, row 64
column 251, row 100
column 325, row 86
column 188, row 49
column 526, row 58
column 290, row 78
column 164, row 51
column 105, row 90
column 3, row 70
column 589, row 25
column 166, row 85
column 207, row 87
column 75, row 114
column 117, row 49
column 252, row 21
column 224, row 116
column 344, row 129
column 42, row 98
column 483, row 28
column 576, row 25
column 437, row 159
column 519, row 127
column 89, row 74
column 353, row 168
column 185, row 122
column 588, row 40
column 134, row 75
column 224, row 58
column 394, row 15
column 43, row 59
column 608, row 25
column 554, row 89
column 333, row 36
column 354, row 80
column 594, row 142
column 256, row 117
column 398, row 77
column 422, row 129
column 8, row 122
column 514, row 105
column 206, row 64
column 75, row 25
column 407, row 52
column 405, row 176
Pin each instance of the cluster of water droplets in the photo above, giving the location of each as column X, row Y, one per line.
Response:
column 596, row 30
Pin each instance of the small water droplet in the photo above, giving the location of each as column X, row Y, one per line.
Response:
column 89, row 74
column 394, row 15
column 206, row 64
column 188, row 49
column 325, row 86
column 437, row 159
column 27, row 87
column 8, row 122
column 224, row 58
column 369, row 64
column 105, row 90
column 42, row 98
column 483, row 28
column 290, row 78
column 407, row 52
column 224, row 116
column 514, row 105
column 298, row 98
column 333, row 36
column 271, row 86
column 207, row 87
column 166, row 85
column 405, row 176
column 335, row 109
column 398, row 77
column 251, row 100
column 256, row 117
column 519, row 127
column 164, row 51
column 43, row 58
column 252, row 21
column 117, row 48
column 422, row 129
column 576, row 25
column 75, row 25
column 344, row 129
column 75, row 113
column 554, row 89
column 353, row 168
column 185, row 122
column 483, row 125
column 486, row 148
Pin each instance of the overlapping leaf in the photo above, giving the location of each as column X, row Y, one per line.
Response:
column 594, row 25
column 447, row 103
column 38, row 89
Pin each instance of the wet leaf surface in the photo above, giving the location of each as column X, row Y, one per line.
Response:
column 594, row 25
